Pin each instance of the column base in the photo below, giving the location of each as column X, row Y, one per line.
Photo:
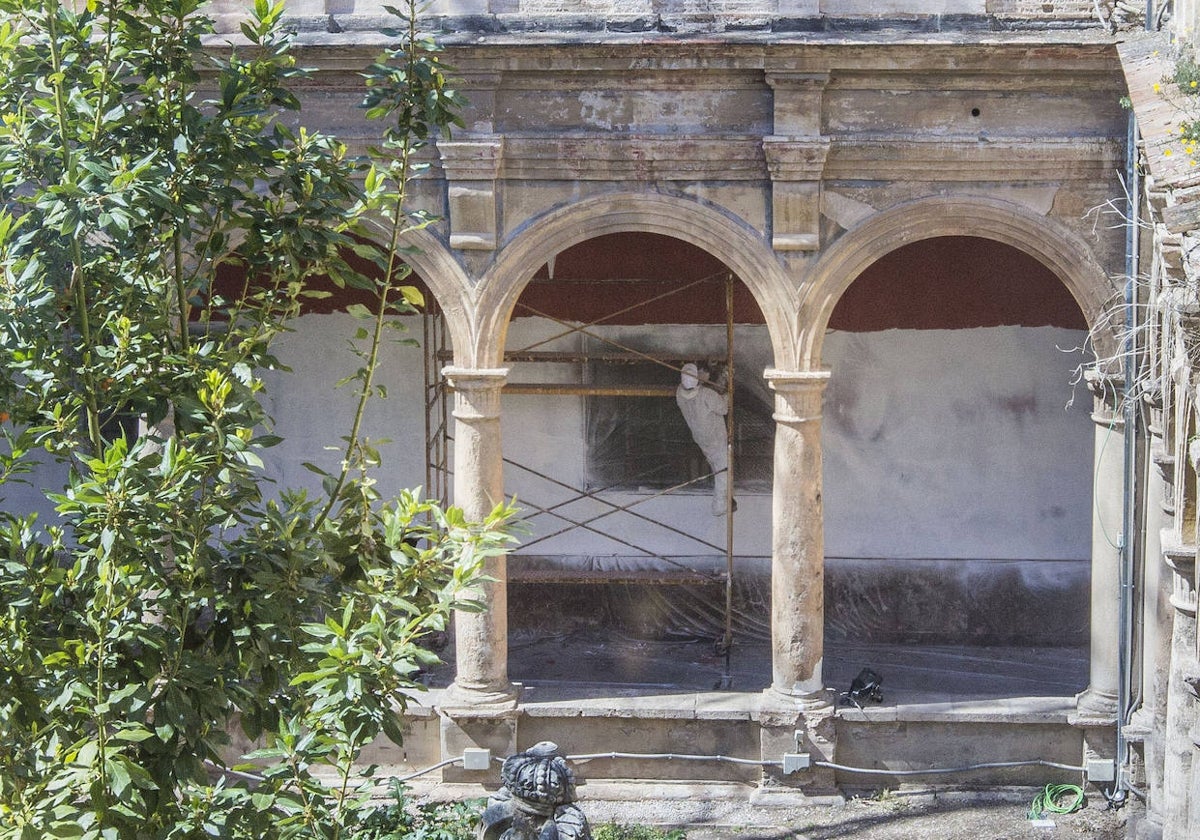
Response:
column 481, row 700
column 478, row 725
column 1094, row 707
column 819, row 702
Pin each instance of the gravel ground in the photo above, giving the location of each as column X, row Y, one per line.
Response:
column 890, row 815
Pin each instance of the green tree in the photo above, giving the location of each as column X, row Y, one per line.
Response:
column 170, row 598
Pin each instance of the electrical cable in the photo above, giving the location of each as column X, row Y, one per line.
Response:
column 456, row 760
column 1037, row 762
column 1049, row 801
column 676, row 757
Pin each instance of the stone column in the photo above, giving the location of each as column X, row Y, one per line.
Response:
column 1178, row 746
column 1099, row 701
column 481, row 638
column 797, row 542
column 1157, row 613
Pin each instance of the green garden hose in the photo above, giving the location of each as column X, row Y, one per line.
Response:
column 1053, row 800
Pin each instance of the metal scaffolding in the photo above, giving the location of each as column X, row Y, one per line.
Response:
column 438, row 440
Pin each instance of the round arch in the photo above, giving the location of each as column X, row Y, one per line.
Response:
column 432, row 261
column 718, row 232
column 1062, row 251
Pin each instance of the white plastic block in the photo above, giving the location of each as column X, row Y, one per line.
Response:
column 477, row 758
column 794, row 762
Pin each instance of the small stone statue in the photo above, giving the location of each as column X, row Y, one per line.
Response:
column 536, row 802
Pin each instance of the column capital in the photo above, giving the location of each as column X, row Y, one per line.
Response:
column 798, row 393
column 465, row 378
column 1180, row 558
column 476, row 391
column 1108, row 395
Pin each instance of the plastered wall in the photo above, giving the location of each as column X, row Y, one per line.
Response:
column 951, row 444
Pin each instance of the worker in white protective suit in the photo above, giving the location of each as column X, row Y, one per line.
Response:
column 704, row 410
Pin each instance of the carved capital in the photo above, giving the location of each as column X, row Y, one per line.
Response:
column 476, row 391
column 798, row 394
column 795, row 158
column 1108, row 391
column 1181, row 560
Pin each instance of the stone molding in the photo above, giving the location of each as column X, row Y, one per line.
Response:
column 1042, row 237
column 704, row 224
column 782, row 156
column 637, row 158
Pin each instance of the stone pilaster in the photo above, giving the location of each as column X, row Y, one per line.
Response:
column 797, row 543
column 481, row 638
column 1099, row 702
column 479, row 88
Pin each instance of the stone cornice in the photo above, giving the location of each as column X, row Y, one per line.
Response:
column 1010, row 160
column 1039, row 58
column 747, row 158
column 608, row 157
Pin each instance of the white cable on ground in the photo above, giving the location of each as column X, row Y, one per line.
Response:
column 675, row 756
column 937, row 770
column 831, row 765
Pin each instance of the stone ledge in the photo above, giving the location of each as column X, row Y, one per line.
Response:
column 633, row 703
column 1051, row 710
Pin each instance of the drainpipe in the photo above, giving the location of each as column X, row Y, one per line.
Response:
column 1125, row 701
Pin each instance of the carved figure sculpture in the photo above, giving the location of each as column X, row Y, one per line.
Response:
column 704, row 411
column 536, row 802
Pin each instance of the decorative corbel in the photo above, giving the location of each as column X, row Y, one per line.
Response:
column 472, row 169
column 795, row 167
column 795, row 156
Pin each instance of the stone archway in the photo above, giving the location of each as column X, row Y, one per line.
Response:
column 448, row 282
column 712, row 229
column 1046, row 240
column 1069, row 258
column 482, row 660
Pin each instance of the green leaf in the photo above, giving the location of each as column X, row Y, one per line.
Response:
column 412, row 295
